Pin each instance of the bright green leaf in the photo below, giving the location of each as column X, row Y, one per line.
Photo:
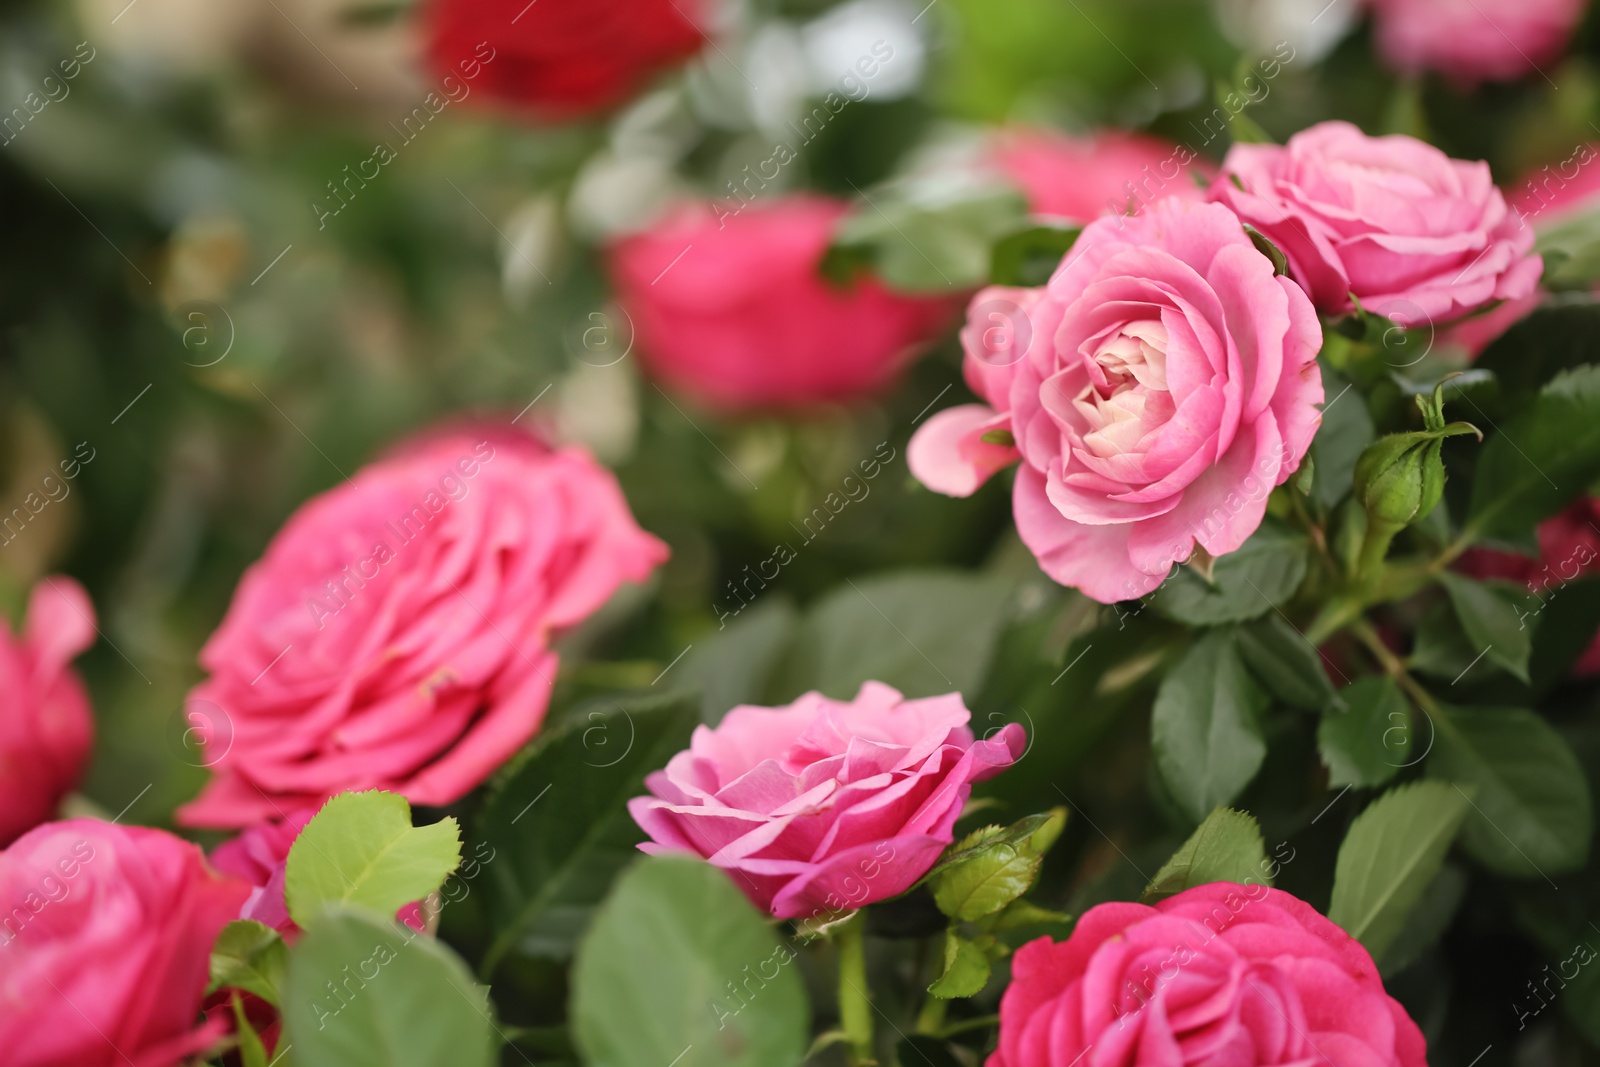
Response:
column 966, row 969
column 1365, row 744
column 1205, row 726
column 252, row 1053
column 993, row 866
column 1226, row 847
column 250, row 956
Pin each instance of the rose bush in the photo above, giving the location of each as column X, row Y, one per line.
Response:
column 107, row 945
column 1390, row 221
column 396, row 633
column 1221, row 973
column 1473, row 41
column 732, row 310
column 823, row 805
column 45, row 728
column 1156, row 389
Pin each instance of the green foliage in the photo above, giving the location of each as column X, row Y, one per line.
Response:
column 993, row 866
column 1205, row 727
column 966, row 969
column 362, row 850
column 927, row 236
column 1226, row 847
column 1491, row 621
column 1263, row 573
column 363, row 993
column 1030, row 255
column 1541, row 458
column 1389, row 857
column 1286, row 662
column 1345, row 433
column 1368, row 740
column 249, row 955
column 677, row 966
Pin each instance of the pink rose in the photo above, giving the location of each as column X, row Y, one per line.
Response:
column 1472, row 41
column 1156, row 389
column 731, row 310
column 106, row 944
column 1084, row 178
column 823, row 805
column 1569, row 548
column 1413, row 234
column 396, row 633
column 45, row 725
column 1219, row 974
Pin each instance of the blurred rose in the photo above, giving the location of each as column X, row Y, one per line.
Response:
column 730, row 308
column 561, row 58
column 1569, row 548
column 1219, row 974
column 1084, row 178
column 396, row 634
column 107, row 945
column 1474, row 40
column 45, row 727
column 824, row 805
column 1413, row 234
column 1156, row 389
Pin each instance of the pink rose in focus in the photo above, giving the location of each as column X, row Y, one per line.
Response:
column 824, row 805
column 735, row 314
column 1219, row 974
column 1084, row 178
column 1473, row 41
column 396, row 633
column 1156, row 389
column 1414, row 235
column 107, row 945
column 1569, row 548
column 46, row 727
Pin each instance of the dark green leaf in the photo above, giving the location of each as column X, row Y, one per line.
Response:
column 1532, row 814
column 735, row 665
column 1564, row 332
column 250, row 956
column 679, row 968
column 1226, row 847
column 1280, row 262
column 1491, row 621
column 1263, row 573
column 1286, row 662
column 1429, row 920
column 1567, row 617
column 966, row 969
column 1205, row 726
column 1390, row 855
column 1541, row 459
column 1029, row 256
column 1366, row 743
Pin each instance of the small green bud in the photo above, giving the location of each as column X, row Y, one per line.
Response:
column 1399, row 479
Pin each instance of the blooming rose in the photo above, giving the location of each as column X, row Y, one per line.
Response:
column 45, row 725
column 1569, row 548
column 558, row 58
column 824, row 805
column 730, row 308
column 1219, row 974
column 1391, row 221
column 1474, row 40
column 1084, row 178
column 1156, row 389
column 396, row 634
column 106, row 939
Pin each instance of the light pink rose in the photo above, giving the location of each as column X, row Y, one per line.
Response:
column 1219, row 974
column 105, row 945
column 1472, row 41
column 1414, row 235
column 1085, row 177
column 396, row 635
column 1156, row 389
column 45, row 724
column 823, row 805
column 735, row 314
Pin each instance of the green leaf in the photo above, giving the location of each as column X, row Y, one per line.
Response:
column 931, row 235
column 1563, row 332
column 993, row 866
column 923, row 632
column 1491, row 621
column 252, row 1053
column 679, row 968
column 1443, row 649
column 362, row 850
column 1205, row 726
column 1019, row 915
column 1264, row 245
column 1286, row 662
column 1391, row 854
column 363, row 992
column 1263, row 573
column 1345, row 433
column 1030, row 255
column 1571, row 250
column 558, row 824
column 966, row 969
column 736, row 664
column 1365, row 744
column 1564, row 620
column 1541, row 459
column 250, row 956
column 1226, row 847
column 1532, row 814
column 1429, row 920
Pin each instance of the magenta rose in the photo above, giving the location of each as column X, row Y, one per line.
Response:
column 1156, row 389
column 1390, row 221
column 106, row 942
column 396, row 635
column 1219, row 974
column 824, row 805
column 45, row 724
column 730, row 309
column 1083, row 178
column 1473, row 41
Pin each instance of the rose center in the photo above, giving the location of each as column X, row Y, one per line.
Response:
column 1125, row 369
